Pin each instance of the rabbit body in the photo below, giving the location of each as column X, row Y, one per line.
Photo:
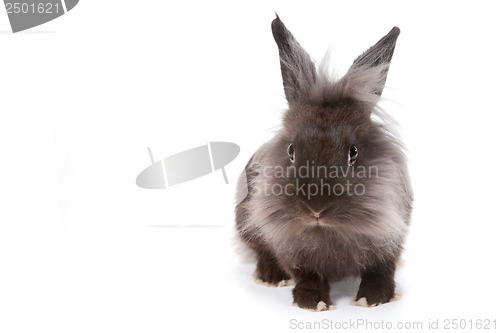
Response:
column 329, row 196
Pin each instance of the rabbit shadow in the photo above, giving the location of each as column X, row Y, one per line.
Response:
column 344, row 291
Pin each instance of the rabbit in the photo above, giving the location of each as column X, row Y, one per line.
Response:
column 329, row 196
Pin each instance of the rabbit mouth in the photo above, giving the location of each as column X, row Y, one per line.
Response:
column 318, row 222
column 316, row 216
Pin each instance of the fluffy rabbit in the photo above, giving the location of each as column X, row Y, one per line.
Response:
column 329, row 196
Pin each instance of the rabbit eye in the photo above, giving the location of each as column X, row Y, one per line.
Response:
column 353, row 155
column 291, row 153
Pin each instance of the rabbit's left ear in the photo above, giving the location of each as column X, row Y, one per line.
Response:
column 379, row 54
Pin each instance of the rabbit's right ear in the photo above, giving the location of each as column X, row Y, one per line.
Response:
column 379, row 55
column 297, row 68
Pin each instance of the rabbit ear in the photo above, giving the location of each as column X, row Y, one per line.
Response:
column 297, row 68
column 379, row 55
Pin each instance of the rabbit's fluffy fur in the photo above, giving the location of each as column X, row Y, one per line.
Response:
column 319, row 238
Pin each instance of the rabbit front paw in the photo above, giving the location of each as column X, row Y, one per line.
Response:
column 270, row 273
column 371, row 296
column 272, row 276
column 312, row 299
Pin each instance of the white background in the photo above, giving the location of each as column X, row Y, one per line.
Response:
column 83, row 249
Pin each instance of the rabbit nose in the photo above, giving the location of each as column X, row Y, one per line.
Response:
column 316, row 214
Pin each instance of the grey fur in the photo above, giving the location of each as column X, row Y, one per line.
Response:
column 324, row 119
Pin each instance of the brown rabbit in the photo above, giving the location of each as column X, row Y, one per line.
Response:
column 329, row 196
